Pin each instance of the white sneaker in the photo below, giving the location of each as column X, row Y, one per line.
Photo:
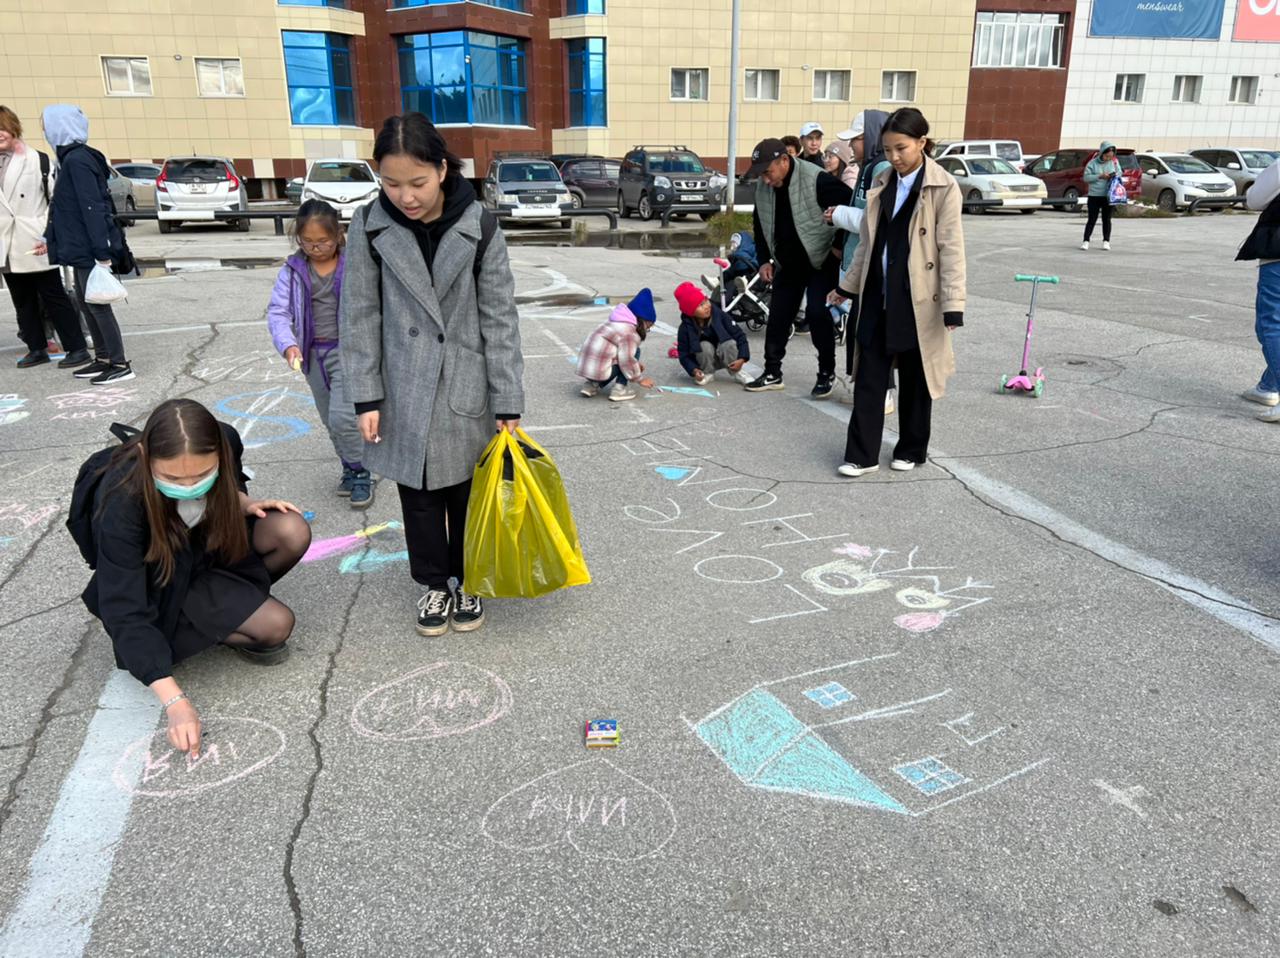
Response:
column 853, row 472
column 1271, row 415
column 708, row 282
column 621, row 393
column 1106, row 244
column 742, row 376
column 902, row 465
column 589, row 390
column 889, row 406
column 1261, row 396
column 1084, row 245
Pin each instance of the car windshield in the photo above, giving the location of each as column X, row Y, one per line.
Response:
column 196, row 171
column 1009, row 151
column 341, row 173
column 528, row 173
column 1259, row 159
column 1129, row 161
column 675, row 163
column 1187, row 164
column 989, row 166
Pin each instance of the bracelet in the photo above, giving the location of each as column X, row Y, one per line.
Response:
column 174, row 701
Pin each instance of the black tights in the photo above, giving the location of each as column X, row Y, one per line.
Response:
column 280, row 539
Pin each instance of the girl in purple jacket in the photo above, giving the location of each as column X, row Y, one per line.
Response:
column 303, row 318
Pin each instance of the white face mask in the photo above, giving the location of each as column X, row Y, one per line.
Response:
column 191, row 511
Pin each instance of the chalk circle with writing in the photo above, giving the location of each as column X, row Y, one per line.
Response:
column 233, row 748
column 592, row 806
column 444, row 698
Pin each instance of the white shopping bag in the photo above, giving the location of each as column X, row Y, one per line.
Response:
column 103, row 289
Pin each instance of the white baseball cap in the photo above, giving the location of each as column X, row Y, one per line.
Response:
column 856, row 129
column 809, row 128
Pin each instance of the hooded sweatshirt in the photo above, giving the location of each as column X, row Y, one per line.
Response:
column 82, row 229
column 849, row 218
column 65, row 124
column 615, row 341
column 458, row 197
column 1095, row 173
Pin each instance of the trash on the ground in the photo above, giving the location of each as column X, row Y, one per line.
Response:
column 602, row 733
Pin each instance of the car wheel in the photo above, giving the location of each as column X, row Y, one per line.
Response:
column 1168, row 201
column 1027, row 212
column 645, row 208
column 622, row 207
column 166, row 226
column 974, row 195
column 577, row 200
column 706, row 217
column 1072, row 194
column 566, row 223
column 243, row 225
column 130, row 206
column 681, row 216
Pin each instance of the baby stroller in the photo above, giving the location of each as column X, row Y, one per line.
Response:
column 740, row 289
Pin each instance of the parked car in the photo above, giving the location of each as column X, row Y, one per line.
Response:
column 1008, row 150
column 200, row 184
column 560, row 159
column 346, row 185
column 1173, row 180
column 293, row 190
column 654, row 179
column 1063, row 172
column 991, row 178
column 143, row 176
column 121, row 190
column 1243, row 166
column 592, row 181
column 528, row 189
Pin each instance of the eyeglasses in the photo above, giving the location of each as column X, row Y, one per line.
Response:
column 317, row 247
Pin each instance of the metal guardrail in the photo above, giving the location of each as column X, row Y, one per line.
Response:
column 1213, row 202
column 280, row 216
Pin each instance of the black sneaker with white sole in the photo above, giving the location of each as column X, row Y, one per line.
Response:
column 822, row 388
column 764, row 383
column 95, row 368
column 112, row 374
column 433, row 612
column 468, row 612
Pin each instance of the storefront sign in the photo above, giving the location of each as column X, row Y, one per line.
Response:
column 1162, row 19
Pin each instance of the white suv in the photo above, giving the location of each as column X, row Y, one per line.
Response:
column 199, row 185
column 1008, row 150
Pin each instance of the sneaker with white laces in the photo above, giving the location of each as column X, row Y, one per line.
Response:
column 853, row 472
column 1271, row 415
column 113, row 374
column 768, row 381
column 433, row 612
column 621, row 393
column 468, row 612
column 589, row 389
column 902, row 465
column 889, row 405
column 1084, row 245
column 1106, row 244
column 94, row 369
column 1261, row 396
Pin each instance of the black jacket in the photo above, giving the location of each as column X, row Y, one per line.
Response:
column 140, row 616
column 82, row 229
column 720, row 328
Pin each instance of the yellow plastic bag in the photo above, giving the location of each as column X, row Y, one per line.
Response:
column 521, row 541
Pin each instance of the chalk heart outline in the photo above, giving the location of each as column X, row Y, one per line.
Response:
column 363, row 721
column 134, row 784
column 591, row 772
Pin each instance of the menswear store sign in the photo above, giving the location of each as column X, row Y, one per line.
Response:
column 1163, row 19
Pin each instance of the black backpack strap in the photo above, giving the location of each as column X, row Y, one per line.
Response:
column 488, row 226
column 124, row 432
column 44, row 173
column 370, row 237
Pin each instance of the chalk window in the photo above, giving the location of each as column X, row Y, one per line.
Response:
column 830, row 695
column 930, row 776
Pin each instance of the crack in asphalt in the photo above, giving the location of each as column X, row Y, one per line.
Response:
column 18, row 566
column 295, row 899
column 47, row 715
column 1151, row 421
column 32, row 615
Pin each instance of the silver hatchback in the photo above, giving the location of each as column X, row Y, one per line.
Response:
column 194, row 187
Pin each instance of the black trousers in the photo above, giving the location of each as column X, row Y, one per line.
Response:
column 435, row 521
column 915, row 406
column 36, row 295
column 1099, row 204
column 789, row 291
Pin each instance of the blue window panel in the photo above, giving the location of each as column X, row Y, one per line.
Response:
column 830, row 695
column 579, row 8
column 319, row 75
column 470, row 77
column 588, row 96
column 516, row 5
column 341, row 4
column 930, row 776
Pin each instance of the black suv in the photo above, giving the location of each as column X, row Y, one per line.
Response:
column 592, row 180
column 655, row 179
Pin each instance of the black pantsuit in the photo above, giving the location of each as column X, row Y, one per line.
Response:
column 915, row 405
column 32, row 291
column 435, row 521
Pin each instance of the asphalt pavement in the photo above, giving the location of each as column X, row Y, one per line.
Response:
column 1020, row 701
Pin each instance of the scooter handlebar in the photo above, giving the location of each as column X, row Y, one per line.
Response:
column 722, row 263
column 1023, row 278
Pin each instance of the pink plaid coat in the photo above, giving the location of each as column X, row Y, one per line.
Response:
column 615, row 341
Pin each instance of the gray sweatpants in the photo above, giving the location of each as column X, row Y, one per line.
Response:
column 337, row 414
column 711, row 358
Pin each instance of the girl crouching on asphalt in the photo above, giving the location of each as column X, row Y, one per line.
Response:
column 185, row 559
column 907, row 283
column 303, row 319
column 611, row 354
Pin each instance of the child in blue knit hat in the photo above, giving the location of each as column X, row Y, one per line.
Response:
column 611, row 354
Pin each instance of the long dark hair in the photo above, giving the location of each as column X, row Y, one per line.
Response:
column 909, row 122
column 174, row 428
column 318, row 211
column 414, row 135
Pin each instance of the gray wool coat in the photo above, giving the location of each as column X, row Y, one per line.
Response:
column 442, row 357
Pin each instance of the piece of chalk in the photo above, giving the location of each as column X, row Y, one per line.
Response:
column 297, row 365
column 308, row 516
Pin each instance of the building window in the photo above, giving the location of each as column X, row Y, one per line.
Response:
column 318, row 70
column 127, row 76
column 930, row 776
column 688, row 84
column 762, row 85
column 588, row 96
column 465, row 77
column 1129, row 87
column 583, row 8
column 516, row 5
column 831, row 85
column 219, row 77
column 1019, row 40
column 340, row 4
column 1186, row 89
column 1244, row 90
column 898, row 86
column 830, row 695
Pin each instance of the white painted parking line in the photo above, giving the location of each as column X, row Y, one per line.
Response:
column 1208, row 598
column 70, row 869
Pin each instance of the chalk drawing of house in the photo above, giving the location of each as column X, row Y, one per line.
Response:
column 862, row 733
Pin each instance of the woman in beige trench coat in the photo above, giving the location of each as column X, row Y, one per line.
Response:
column 907, row 283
